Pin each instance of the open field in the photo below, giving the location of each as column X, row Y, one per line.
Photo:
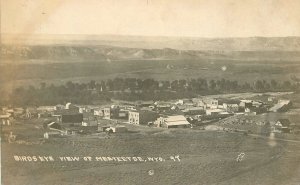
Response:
column 206, row 157
column 13, row 75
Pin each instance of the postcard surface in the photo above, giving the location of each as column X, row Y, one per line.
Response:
column 150, row 92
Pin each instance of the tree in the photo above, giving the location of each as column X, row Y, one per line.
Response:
column 212, row 84
column 259, row 85
column 70, row 85
column 174, row 85
column 92, row 84
column 286, row 85
column 274, row 84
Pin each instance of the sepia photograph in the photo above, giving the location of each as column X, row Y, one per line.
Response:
column 141, row 92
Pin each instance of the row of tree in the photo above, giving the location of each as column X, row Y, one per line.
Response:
column 136, row 89
column 194, row 85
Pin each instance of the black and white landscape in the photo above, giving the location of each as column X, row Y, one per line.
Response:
column 230, row 115
column 86, row 99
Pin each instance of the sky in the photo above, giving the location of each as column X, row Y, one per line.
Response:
column 191, row 18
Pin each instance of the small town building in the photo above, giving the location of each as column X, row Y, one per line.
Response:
column 282, row 126
column 46, row 108
column 212, row 112
column 60, row 107
column 68, row 117
column 281, row 106
column 211, row 103
column 89, row 123
column 163, row 106
column 194, row 111
column 72, row 118
column 117, row 129
column 271, row 99
column 89, row 120
column 106, row 113
column 142, row 117
column 5, row 119
column 44, row 115
column 231, row 107
column 19, row 111
column 177, row 121
column 185, row 102
column 246, row 104
column 98, row 112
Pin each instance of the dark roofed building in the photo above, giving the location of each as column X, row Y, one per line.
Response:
column 69, row 116
column 72, row 118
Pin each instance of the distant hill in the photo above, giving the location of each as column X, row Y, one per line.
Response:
column 147, row 42
column 80, row 48
column 83, row 53
column 101, row 53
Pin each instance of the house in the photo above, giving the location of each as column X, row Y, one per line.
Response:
column 31, row 112
column 144, row 103
column 142, row 117
column 212, row 103
column 199, row 102
column 281, row 106
column 89, row 120
column 18, row 112
column 82, row 109
column 121, row 114
column 257, row 104
column 47, row 135
column 184, row 107
column 177, row 121
column 256, row 110
column 231, row 107
column 163, row 107
column 44, row 115
column 185, row 102
column 72, row 118
column 271, row 99
column 71, row 107
column 46, row 108
column 282, row 126
column 212, row 112
column 250, row 106
column 68, row 117
column 174, row 110
column 115, row 112
column 60, row 107
column 106, row 113
column 246, row 104
column 98, row 112
column 129, row 107
column 194, row 111
column 89, row 123
column 5, row 119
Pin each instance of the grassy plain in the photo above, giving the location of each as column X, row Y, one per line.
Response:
column 206, row 157
column 28, row 73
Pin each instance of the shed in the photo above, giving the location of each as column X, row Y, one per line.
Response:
column 117, row 129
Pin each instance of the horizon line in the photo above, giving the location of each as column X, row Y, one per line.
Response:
column 149, row 36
